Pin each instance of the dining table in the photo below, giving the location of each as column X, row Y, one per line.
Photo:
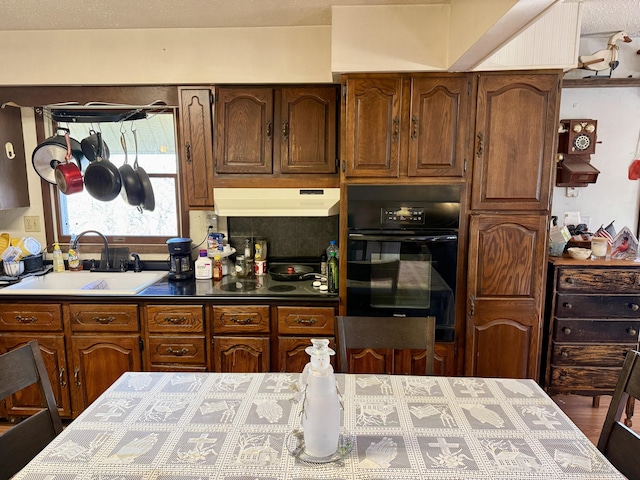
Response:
column 232, row 426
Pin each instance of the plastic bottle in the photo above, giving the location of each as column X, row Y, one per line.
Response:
column 58, row 262
column 75, row 264
column 217, row 268
column 333, row 248
column 203, row 266
column 333, row 274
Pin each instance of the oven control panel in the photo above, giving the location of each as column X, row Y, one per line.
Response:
column 403, row 215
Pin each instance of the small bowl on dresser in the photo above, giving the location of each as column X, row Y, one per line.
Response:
column 579, row 253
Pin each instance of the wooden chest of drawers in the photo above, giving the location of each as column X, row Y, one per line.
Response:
column 593, row 319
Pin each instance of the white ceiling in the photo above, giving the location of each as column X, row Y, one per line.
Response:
column 599, row 16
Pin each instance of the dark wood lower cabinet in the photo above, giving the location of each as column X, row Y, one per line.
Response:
column 241, row 354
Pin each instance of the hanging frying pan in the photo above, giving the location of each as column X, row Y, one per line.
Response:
column 67, row 174
column 90, row 148
column 132, row 191
column 102, row 178
column 149, row 201
column 52, row 152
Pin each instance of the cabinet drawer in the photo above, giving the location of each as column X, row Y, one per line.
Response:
column 601, row 331
column 97, row 318
column 241, row 319
column 598, row 306
column 590, row 354
column 175, row 319
column 189, row 349
column 306, row 320
column 599, row 280
column 585, row 378
column 21, row 317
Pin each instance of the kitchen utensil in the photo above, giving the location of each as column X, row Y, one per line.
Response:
column 33, row 263
column 52, row 152
column 149, row 201
column 291, row 272
column 90, row 146
column 102, row 178
column 68, row 176
column 634, row 168
column 131, row 191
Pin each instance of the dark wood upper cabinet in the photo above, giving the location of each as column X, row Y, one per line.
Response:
column 196, row 146
column 515, row 138
column 14, row 189
column 284, row 130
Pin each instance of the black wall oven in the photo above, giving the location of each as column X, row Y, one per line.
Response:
column 402, row 252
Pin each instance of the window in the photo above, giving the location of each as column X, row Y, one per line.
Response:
column 123, row 223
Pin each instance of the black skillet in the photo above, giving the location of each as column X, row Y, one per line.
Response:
column 149, row 200
column 102, row 178
column 132, row 191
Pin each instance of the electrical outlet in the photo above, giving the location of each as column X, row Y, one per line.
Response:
column 572, row 192
column 31, row 223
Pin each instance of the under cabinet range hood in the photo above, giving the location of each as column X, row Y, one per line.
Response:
column 276, row 202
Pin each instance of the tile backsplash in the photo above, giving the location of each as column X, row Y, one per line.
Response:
column 286, row 236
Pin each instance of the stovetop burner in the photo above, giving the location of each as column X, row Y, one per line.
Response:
column 282, row 288
column 239, row 286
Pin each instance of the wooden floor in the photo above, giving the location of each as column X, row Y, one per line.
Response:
column 578, row 408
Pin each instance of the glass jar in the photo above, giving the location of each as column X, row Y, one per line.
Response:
column 241, row 266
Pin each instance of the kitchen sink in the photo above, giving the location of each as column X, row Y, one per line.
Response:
column 84, row 283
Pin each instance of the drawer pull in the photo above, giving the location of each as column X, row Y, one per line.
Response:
column 61, row 378
column 76, row 377
column 22, row 319
column 570, row 281
column 177, row 353
column 175, row 320
column 306, row 321
column 567, row 305
column 634, row 306
column 566, row 331
column 632, row 331
column 242, row 321
column 564, row 354
column 104, row 320
column 562, row 378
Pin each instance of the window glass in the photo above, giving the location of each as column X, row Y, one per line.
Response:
column 156, row 153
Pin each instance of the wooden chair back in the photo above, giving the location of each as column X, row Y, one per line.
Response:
column 19, row 369
column 618, row 442
column 367, row 334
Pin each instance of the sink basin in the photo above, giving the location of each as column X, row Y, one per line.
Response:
column 84, row 283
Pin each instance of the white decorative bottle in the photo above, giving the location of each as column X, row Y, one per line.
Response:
column 321, row 407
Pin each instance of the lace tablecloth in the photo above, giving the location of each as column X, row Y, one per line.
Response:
column 189, row 426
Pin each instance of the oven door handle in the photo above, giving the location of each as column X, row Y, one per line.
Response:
column 400, row 238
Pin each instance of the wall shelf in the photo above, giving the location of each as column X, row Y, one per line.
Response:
column 600, row 82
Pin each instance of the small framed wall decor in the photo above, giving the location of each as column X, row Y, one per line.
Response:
column 624, row 245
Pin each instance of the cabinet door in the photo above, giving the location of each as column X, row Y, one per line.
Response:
column 308, row 130
column 241, row 354
column 197, row 146
column 244, row 130
column 292, row 356
column 373, row 125
column 438, row 125
column 505, row 292
column 14, row 191
column 98, row 360
column 515, row 137
column 28, row 401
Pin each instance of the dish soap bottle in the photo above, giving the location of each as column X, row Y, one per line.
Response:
column 58, row 262
column 203, row 266
column 74, row 256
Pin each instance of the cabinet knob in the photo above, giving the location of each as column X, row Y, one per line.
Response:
column 480, row 149
column 76, row 377
column 285, row 130
column 570, row 281
column 634, row 306
column 268, row 130
column 632, row 331
column 396, row 129
column 187, row 147
column 562, row 378
column 61, row 377
column 414, row 127
column 567, row 305
column 564, row 354
column 566, row 331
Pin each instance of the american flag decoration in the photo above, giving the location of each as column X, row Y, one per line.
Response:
column 607, row 232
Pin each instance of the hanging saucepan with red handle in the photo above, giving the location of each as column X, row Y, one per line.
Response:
column 102, row 178
column 67, row 174
column 52, row 152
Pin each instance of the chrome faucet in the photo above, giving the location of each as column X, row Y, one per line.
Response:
column 104, row 240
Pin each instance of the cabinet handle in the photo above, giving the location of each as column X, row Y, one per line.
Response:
column 76, row 377
column 22, row 319
column 414, row 127
column 634, row 306
column 175, row 320
column 61, row 377
column 268, row 130
column 632, row 331
column 480, row 149
column 564, row 354
column 570, row 281
column 306, row 321
column 562, row 378
column 104, row 320
column 567, row 305
column 396, row 129
column 177, row 353
column 241, row 321
column 566, row 331
column 188, row 149
column 472, row 305
column 285, row 130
